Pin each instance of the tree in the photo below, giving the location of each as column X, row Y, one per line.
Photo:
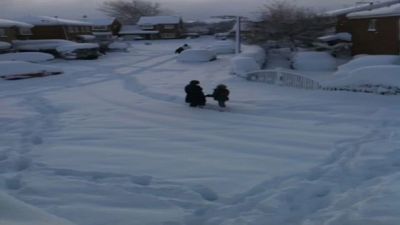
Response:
column 130, row 11
column 285, row 22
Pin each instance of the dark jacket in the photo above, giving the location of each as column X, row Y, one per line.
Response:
column 195, row 95
column 221, row 94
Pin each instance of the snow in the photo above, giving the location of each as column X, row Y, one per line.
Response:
column 222, row 47
column 11, row 23
column 111, row 141
column 19, row 69
column 156, row 20
column 40, row 45
column 241, row 65
column 255, row 52
column 361, row 7
column 26, row 56
column 344, row 36
column 385, row 75
column 15, row 212
column 76, row 46
column 313, row 61
column 388, row 11
column 4, row 45
column 196, row 55
column 51, row 21
column 118, row 46
column 367, row 60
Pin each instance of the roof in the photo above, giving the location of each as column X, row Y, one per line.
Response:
column 360, row 7
column 134, row 29
column 155, row 20
column 389, row 11
column 11, row 23
column 51, row 21
column 101, row 21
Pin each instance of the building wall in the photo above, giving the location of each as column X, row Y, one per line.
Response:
column 343, row 24
column 60, row 32
column 384, row 40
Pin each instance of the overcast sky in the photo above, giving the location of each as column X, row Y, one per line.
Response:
column 189, row 9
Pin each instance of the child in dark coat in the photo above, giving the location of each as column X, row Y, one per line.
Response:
column 194, row 94
column 220, row 94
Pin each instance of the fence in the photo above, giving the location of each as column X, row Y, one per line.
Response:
column 283, row 78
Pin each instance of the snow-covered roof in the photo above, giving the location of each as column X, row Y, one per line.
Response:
column 360, row 7
column 338, row 36
column 11, row 23
column 393, row 10
column 51, row 21
column 154, row 20
column 135, row 29
column 101, row 21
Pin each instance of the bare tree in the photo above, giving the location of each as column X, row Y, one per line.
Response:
column 285, row 22
column 130, row 11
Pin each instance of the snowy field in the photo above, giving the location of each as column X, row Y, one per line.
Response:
column 111, row 141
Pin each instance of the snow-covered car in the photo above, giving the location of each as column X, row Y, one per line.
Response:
column 15, row 70
column 4, row 46
column 313, row 61
column 241, row 65
column 79, row 51
column 26, row 56
column 49, row 45
column 197, row 55
column 222, row 47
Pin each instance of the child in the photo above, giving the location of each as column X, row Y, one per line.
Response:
column 220, row 94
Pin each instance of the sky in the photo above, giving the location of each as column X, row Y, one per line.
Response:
column 188, row 9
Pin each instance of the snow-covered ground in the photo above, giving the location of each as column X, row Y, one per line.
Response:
column 111, row 141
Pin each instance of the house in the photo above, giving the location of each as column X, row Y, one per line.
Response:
column 376, row 31
column 112, row 25
column 168, row 27
column 372, row 27
column 133, row 32
column 45, row 27
column 343, row 23
column 13, row 30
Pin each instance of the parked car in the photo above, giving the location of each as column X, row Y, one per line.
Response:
column 15, row 70
column 79, row 51
column 197, row 55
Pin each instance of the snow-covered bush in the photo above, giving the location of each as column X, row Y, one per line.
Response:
column 241, row 65
column 255, row 52
column 26, row 56
column 197, row 55
column 79, row 51
column 12, row 70
column 367, row 60
column 223, row 47
column 313, row 61
column 381, row 79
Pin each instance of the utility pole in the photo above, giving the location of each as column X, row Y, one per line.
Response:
column 238, row 41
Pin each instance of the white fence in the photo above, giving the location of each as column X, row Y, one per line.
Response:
column 282, row 78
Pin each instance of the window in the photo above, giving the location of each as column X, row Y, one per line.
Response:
column 100, row 28
column 147, row 27
column 25, row 31
column 169, row 27
column 3, row 33
column 372, row 25
column 168, row 35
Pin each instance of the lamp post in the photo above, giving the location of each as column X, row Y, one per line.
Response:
column 238, row 44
